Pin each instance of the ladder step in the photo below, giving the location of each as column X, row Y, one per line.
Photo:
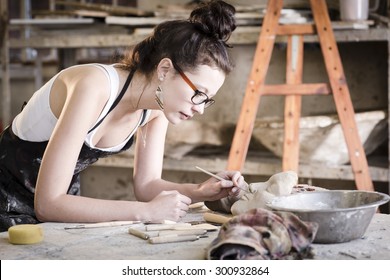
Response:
column 296, row 29
column 298, row 89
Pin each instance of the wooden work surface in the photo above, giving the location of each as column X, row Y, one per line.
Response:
column 115, row 243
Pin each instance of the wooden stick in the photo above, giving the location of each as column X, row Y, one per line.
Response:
column 182, row 232
column 215, row 218
column 139, row 233
column 209, row 173
column 172, row 238
column 216, row 176
column 167, row 226
column 103, row 224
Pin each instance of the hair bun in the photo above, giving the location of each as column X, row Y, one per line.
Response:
column 215, row 18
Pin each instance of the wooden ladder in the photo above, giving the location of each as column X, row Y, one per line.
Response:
column 294, row 89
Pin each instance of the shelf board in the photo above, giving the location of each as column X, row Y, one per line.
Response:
column 93, row 37
column 255, row 165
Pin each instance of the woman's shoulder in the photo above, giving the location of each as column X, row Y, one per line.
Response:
column 83, row 71
column 84, row 83
column 88, row 77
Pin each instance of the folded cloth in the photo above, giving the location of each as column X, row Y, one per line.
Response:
column 265, row 235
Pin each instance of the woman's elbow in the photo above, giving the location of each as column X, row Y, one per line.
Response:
column 40, row 214
column 140, row 192
column 43, row 212
column 140, row 196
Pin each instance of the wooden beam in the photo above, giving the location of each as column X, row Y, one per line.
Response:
column 292, row 107
column 5, row 60
column 245, row 123
column 341, row 95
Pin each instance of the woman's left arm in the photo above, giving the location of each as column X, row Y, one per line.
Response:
column 148, row 164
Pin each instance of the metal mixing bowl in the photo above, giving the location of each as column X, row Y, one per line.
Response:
column 342, row 215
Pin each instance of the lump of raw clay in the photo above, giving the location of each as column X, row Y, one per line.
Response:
column 222, row 205
column 262, row 193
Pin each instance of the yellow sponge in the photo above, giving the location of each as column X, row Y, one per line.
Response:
column 25, row 234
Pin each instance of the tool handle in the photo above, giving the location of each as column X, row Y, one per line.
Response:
column 215, row 218
column 166, row 226
column 182, row 232
column 103, row 224
column 138, row 233
column 172, row 238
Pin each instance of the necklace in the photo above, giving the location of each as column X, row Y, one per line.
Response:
column 145, row 126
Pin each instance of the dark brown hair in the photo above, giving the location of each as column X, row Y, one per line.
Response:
column 200, row 40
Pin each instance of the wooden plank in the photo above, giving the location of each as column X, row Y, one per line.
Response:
column 79, row 41
column 298, row 89
column 341, row 95
column 56, row 13
column 266, row 167
column 352, row 25
column 255, row 83
column 242, row 35
column 117, row 10
column 50, row 21
column 292, row 109
column 135, row 21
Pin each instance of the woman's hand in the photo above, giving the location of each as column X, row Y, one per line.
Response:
column 168, row 205
column 213, row 189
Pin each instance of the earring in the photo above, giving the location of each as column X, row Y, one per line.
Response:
column 159, row 97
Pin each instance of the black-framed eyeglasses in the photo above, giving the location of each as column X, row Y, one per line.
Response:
column 199, row 97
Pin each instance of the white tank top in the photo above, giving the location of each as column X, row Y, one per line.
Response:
column 36, row 122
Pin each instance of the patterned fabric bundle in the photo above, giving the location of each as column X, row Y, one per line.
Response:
column 264, row 235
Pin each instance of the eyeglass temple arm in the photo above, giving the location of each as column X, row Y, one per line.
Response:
column 185, row 78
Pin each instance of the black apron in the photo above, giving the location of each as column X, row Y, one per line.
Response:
column 19, row 166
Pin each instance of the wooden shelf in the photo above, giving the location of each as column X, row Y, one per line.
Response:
column 255, row 165
column 100, row 36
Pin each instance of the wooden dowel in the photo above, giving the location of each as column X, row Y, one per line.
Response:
column 103, row 224
column 172, row 238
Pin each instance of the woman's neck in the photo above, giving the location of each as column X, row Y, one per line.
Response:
column 140, row 94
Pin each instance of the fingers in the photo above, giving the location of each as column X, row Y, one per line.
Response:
column 235, row 181
column 180, row 207
column 234, row 177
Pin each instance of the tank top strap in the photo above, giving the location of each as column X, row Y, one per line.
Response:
column 117, row 100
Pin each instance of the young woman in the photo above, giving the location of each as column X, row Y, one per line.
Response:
column 90, row 111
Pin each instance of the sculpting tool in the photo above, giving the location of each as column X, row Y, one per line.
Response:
column 167, row 226
column 209, row 173
column 216, row 176
column 182, row 232
column 172, row 238
column 215, row 218
column 139, row 233
column 103, row 224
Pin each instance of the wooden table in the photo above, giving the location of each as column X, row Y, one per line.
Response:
column 115, row 243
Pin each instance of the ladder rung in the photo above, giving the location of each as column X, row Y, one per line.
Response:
column 300, row 89
column 296, row 29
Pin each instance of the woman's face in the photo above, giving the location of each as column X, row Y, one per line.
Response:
column 177, row 92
